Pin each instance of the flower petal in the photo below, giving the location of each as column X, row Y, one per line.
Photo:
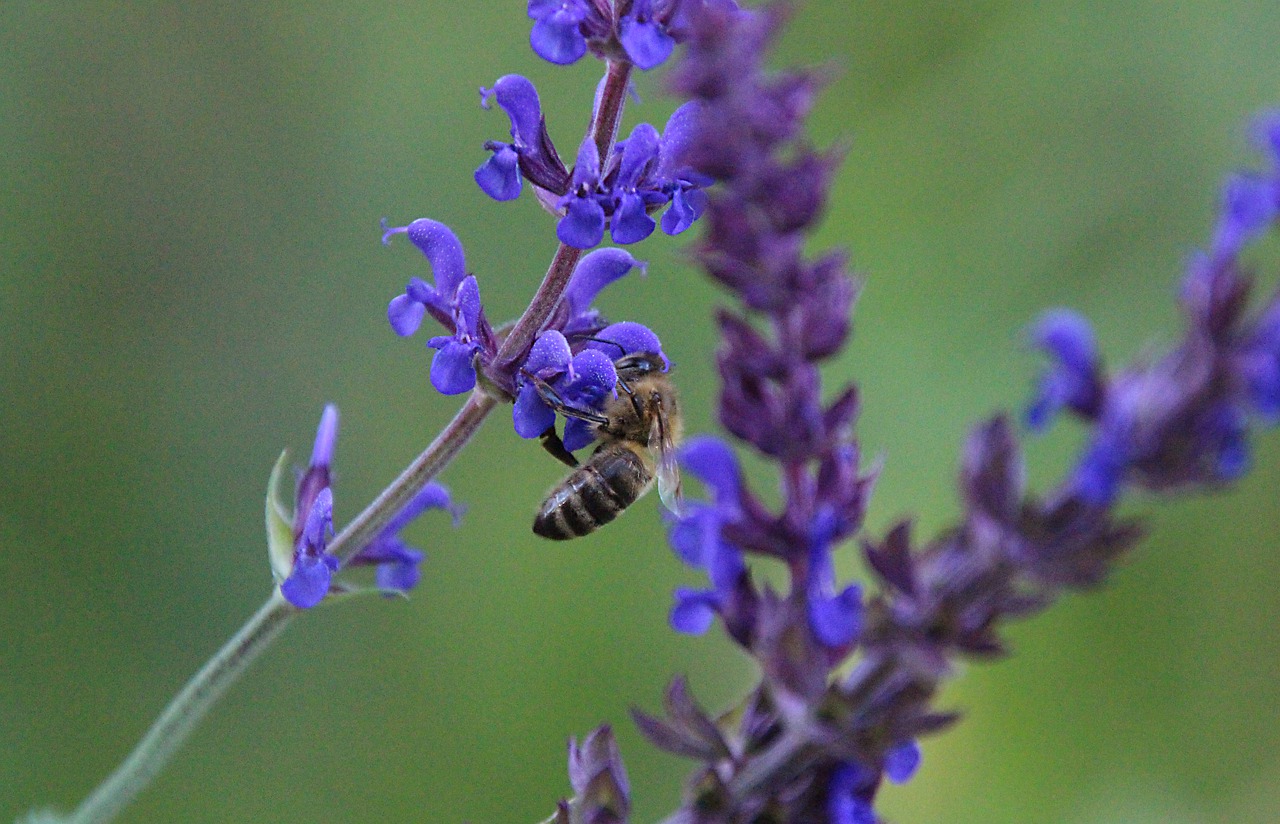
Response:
column 549, row 356
column 836, row 621
column 308, row 583
column 401, row 573
column 405, row 315
column 451, row 369
column 625, row 338
column 530, row 415
column 443, row 251
column 596, row 270
column 630, row 222
column 499, row 176
column 582, row 227
column 901, row 762
column 694, row 610
column 686, row 207
column 556, row 37
column 711, row 461
column 646, row 43
column 677, row 135
column 577, row 434
column 640, row 150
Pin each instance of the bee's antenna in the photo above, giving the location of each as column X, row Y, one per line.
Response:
column 621, row 349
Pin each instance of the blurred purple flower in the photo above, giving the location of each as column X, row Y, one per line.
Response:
column 454, row 302
column 311, row 576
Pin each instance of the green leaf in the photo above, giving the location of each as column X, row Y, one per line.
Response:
column 279, row 524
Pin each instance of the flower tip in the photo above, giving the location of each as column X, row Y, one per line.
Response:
column 693, row 611
column 486, row 98
column 326, row 437
column 387, row 231
column 901, row 762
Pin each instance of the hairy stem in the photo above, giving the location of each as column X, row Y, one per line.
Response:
column 366, row 526
column 604, row 129
column 604, row 126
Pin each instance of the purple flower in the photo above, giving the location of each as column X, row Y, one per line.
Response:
column 313, row 568
column 308, row 578
column 309, row 574
column 901, row 762
column 557, row 35
column 397, row 562
column 454, row 301
column 850, row 793
column 564, row 30
column 646, row 172
column 644, row 36
column 583, row 223
column 697, row 534
column 1075, row 380
column 452, row 368
column 573, row 360
column 1251, row 201
column 581, row 381
column 530, row 154
column 835, row 617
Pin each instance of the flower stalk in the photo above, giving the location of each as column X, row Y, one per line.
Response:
column 193, row 702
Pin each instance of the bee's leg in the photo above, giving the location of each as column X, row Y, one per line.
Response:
column 552, row 399
column 552, row 443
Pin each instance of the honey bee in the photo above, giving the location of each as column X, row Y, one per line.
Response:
column 638, row 431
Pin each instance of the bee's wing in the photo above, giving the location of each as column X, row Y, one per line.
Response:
column 667, row 470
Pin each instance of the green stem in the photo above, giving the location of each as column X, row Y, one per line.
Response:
column 190, row 705
column 183, row 713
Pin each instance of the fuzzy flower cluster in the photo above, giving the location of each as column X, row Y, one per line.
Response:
column 640, row 177
column 794, row 314
column 303, row 568
column 807, row 744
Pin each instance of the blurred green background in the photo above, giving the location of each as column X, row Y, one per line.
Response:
column 190, row 269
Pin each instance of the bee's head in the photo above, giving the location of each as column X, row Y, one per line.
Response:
column 639, row 364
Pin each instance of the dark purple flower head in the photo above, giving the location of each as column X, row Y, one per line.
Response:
column 308, row 577
column 454, row 302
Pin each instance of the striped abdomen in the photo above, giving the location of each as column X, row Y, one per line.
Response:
column 593, row 494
